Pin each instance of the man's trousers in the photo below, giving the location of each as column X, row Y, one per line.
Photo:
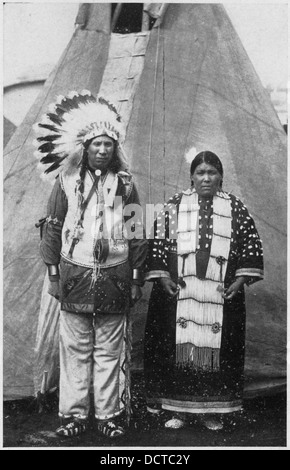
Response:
column 91, row 351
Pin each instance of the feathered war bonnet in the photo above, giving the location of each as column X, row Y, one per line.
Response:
column 71, row 122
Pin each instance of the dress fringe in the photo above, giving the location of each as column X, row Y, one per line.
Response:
column 202, row 359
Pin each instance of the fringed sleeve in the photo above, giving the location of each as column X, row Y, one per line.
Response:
column 138, row 244
column 250, row 250
column 50, row 245
column 163, row 240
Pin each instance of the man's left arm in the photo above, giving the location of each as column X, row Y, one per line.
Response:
column 138, row 244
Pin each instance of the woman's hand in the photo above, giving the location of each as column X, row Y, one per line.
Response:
column 53, row 289
column 169, row 286
column 234, row 288
column 136, row 294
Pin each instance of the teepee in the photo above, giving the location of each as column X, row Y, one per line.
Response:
column 182, row 80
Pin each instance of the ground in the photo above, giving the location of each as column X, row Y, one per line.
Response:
column 261, row 424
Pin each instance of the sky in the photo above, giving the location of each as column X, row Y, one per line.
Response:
column 36, row 33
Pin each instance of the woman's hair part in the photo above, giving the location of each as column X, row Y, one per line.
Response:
column 207, row 157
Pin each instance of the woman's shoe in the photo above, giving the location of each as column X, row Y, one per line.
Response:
column 110, row 429
column 72, row 428
column 212, row 423
column 176, row 422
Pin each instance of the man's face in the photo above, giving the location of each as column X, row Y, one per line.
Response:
column 101, row 152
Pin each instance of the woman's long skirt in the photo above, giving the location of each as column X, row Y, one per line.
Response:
column 185, row 389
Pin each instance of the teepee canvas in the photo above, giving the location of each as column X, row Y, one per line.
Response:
column 184, row 82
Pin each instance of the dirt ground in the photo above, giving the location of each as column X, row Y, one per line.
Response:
column 261, row 424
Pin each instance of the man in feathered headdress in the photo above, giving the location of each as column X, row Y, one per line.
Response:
column 94, row 256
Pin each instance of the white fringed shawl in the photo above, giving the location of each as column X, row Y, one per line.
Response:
column 200, row 304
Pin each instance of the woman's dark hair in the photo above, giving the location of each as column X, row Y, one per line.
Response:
column 207, row 157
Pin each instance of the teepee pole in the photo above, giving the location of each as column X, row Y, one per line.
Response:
column 145, row 21
column 116, row 15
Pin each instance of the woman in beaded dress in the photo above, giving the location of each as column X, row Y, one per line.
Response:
column 204, row 250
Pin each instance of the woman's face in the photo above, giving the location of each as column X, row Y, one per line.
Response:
column 206, row 179
column 101, row 152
